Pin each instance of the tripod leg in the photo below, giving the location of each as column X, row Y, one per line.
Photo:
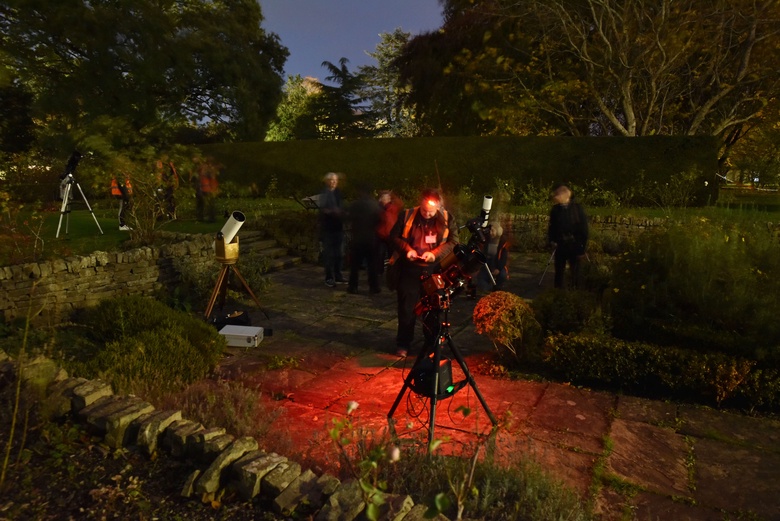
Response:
column 406, row 386
column 246, row 286
column 435, row 390
column 63, row 208
column 471, row 380
column 219, row 289
column 552, row 256
column 89, row 208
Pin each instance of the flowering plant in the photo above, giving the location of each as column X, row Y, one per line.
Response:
column 506, row 320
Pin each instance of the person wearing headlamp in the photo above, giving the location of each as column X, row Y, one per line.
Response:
column 422, row 237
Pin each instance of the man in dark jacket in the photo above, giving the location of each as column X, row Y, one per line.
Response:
column 422, row 237
column 568, row 234
column 364, row 215
column 331, row 216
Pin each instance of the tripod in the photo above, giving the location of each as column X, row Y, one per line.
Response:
column 227, row 254
column 430, row 378
column 66, row 192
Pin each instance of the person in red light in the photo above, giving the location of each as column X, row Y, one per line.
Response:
column 392, row 205
column 421, row 238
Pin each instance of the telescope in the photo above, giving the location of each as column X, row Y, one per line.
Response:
column 431, row 375
column 461, row 265
column 226, row 249
column 226, row 244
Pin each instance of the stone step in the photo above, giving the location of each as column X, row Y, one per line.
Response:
column 280, row 263
column 259, row 244
column 272, row 253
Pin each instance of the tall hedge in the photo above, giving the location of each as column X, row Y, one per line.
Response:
column 296, row 167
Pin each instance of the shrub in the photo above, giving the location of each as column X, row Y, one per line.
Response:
column 519, row 489
column 700, row 285
column 657, row 371
column 565, row 311
column 137, row 343
column 224, row 403
column 508, row 321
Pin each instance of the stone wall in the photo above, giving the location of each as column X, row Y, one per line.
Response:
column 222, row 461
column 533, row 227
column 52, row 290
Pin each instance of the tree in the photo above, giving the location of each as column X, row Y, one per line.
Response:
column 144, row 64
column 382, row 92
column 433, row 84
column 339, row 110
column 16, row 124
column 605, row 67
column 295, row 113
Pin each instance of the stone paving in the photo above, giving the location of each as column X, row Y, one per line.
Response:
column 661, row 460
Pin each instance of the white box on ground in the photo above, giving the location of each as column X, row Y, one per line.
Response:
column 242, row 336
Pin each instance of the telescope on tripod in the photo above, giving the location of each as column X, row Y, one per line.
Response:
column 431, row 374
column 67, row 182
column 226, row 249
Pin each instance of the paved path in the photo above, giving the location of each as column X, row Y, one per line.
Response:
column 661, row 461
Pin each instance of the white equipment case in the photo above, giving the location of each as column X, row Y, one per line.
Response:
column 242, row 336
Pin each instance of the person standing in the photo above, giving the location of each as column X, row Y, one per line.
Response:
column 364, row 216
column 167, row 180
column 422, row 237
column 391, row 206
column 206, row 192
column 122, row 192
column 331, row 222
column 567, row 233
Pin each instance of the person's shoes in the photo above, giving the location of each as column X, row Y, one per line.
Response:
column 402, row 352
column 330, row 283
column 124, row 228
column 341, row 281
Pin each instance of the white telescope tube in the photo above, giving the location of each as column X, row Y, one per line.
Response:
column 232, row 226
column 487, row 204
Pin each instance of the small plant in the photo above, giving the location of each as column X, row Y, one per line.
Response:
column 230, row 404
column 507, row 321
column 366, row 469
column 282, row 362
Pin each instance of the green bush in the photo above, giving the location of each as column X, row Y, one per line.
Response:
column 657, row 371
column 231, row 405
column 138, row 344
column 520, row 490
column 700, row 285
column 565, row 311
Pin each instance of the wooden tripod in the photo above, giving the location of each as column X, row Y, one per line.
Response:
column 227, row 255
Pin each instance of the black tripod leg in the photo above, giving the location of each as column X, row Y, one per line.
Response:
column 406, row 386
column 435, row 390
column 470, row 379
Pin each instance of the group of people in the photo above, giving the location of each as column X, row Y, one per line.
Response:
column 416, row 240
column 166, row 181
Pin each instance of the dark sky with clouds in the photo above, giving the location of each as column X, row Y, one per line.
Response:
column 327, row 30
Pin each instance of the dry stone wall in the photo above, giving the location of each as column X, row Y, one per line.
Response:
column 221, row 460
column 52, row 290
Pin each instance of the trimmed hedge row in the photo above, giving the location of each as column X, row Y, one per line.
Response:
column 654, row 371
column 297, row 167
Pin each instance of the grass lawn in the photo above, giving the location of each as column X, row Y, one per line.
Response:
column 31, row 236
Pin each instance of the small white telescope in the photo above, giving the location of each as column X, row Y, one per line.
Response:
column 233, row 224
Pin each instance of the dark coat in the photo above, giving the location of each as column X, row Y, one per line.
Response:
column 568, row 228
